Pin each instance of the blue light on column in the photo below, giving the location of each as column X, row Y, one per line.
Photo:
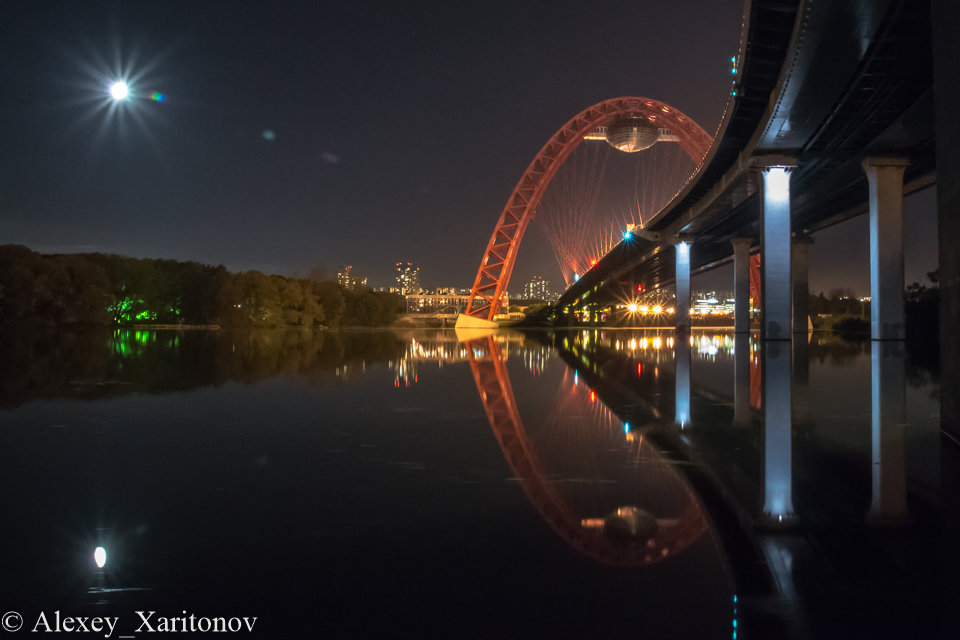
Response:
column 777, row 184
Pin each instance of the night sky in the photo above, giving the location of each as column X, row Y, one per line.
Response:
column 303, row 135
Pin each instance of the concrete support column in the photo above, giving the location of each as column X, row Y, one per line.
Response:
column 777, row 435
column 888, row 413
column 681, row 351
column 885, row 177
column 741, row 284
column 799, row 276
column 682, row 306
column 741, row 379
column 775, row 247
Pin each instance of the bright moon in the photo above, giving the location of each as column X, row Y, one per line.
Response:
column 100, row 554
column 119, row 90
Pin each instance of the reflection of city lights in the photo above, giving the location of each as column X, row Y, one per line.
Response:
column 593, row 396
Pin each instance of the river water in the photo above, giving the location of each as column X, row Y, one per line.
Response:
column 409, row 484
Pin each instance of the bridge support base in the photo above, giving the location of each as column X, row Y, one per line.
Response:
column 469, row 322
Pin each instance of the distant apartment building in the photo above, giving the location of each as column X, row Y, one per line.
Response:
column 537, row 289
column 347, row 279
column 408, row 278
column 712, row 303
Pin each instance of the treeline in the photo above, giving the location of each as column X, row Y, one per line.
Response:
column 100, row 289
column 90, row 364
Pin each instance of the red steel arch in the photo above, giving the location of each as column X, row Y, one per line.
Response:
column 497, row 263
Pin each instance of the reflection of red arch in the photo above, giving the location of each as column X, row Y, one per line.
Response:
column 497, row 264
column 496, row 392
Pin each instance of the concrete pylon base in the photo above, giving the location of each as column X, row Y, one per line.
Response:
column 470, row 322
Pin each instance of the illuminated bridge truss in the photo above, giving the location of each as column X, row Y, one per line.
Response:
column 501, row 253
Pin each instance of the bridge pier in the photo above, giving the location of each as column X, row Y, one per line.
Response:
column 799, row 275
column 775, row 248
column 741, row 284
column 682, row 306
column 885, row 179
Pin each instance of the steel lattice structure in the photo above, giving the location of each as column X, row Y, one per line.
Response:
column 501, row 253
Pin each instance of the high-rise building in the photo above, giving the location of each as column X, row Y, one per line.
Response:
column 537, row 289
column 408, row 278
column 347, row 279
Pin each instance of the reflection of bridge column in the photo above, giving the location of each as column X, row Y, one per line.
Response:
column 741, row 379
column 799, row 260
column 682, row 306
column 777, row 435
column 801, row 379
column 741, row 284
column 888, row 414
column 681, row 351
column 775, row 248
column 885, row 177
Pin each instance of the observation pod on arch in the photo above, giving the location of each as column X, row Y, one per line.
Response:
column 632, row 120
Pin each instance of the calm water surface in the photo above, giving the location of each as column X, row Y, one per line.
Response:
column 407, row 484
